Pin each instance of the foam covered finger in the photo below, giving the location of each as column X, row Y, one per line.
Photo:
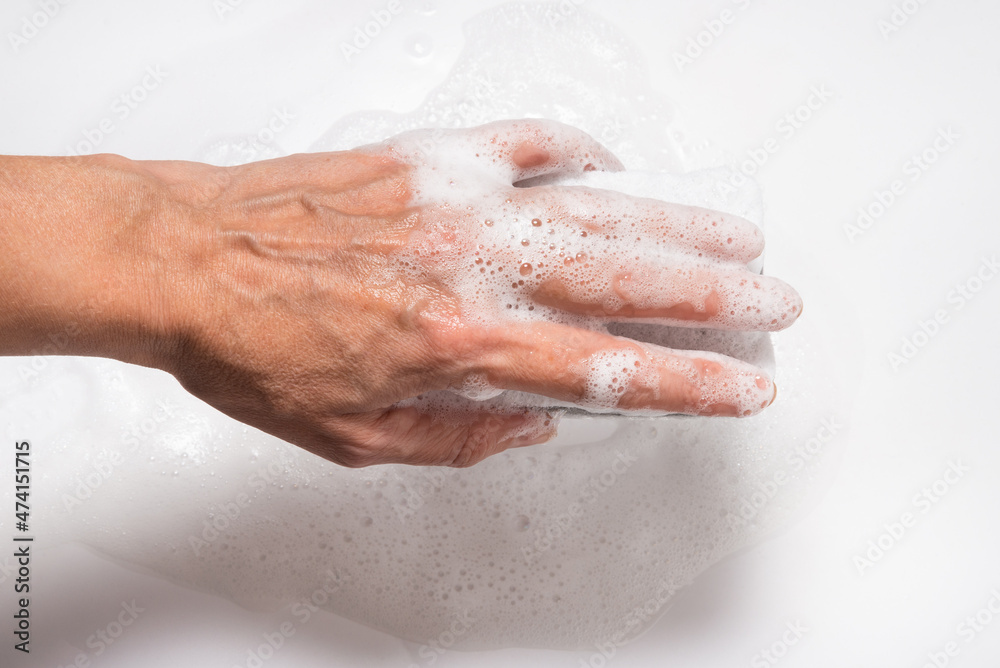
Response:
column 624, row 223
column 697, row 231
column 511, row 150
column 528, row 148
column 601, row 372
column 685, row 294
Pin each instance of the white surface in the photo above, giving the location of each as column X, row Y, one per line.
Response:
column 890, row 96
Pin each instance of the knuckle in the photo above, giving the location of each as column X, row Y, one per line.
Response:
column 457, row 350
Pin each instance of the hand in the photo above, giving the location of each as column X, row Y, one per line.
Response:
column 328, row 287
column 308, row 295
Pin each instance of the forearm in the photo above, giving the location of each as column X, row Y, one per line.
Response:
column 78, row 274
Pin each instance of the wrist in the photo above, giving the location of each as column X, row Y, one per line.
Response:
column 162, row 241
column 87, row 263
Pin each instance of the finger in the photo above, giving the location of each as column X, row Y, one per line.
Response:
column 511, row 150
column 623, row 223
column 524, row 149
column 686, row 294
column 606, row 373
column 443, row 435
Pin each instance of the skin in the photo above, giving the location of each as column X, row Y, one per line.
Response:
column 274, row 291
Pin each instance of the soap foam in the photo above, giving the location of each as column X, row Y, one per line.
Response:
column 486, row 286
column 495, row 245
column 576, row 542
column 518, row 254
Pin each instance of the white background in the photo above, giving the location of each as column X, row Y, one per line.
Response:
column 891, row 95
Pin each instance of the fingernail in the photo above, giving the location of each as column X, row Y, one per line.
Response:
column 537, row 428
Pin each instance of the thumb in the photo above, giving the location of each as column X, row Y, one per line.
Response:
column 455, row 437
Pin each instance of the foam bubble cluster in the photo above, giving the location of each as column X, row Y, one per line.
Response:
column 609, row 374
column 550, row 258
column 577, row 243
